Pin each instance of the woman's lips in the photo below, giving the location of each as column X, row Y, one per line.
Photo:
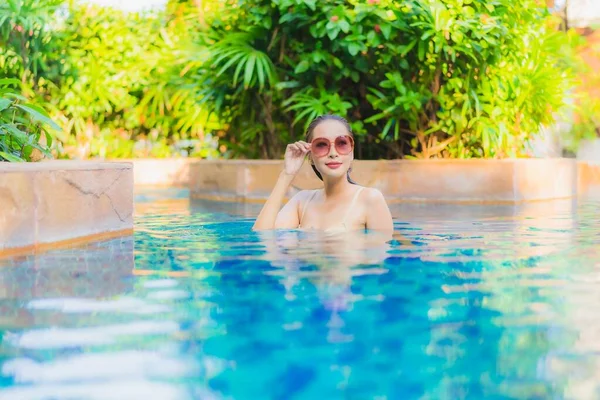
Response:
column 334, row 165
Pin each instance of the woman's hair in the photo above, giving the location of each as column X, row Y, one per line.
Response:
column 314, row 123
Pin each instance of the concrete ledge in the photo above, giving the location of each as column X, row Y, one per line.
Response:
column 170, row 172
column 588, row 178
column 455, row 181
column 55, row 202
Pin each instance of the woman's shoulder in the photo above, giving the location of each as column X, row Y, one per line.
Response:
column 304, row 194
column 370, row 195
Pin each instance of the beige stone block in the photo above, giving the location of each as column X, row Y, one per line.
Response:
column 588, row 177
column 58, row 201
column 451, row 180
column 17, row 209
column 259, row 178
column 400, row 180
column 541, row 179
column 174, row 172
column 217, row 178
column 80, row 203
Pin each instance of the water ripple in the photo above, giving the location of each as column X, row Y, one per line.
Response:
column 464, row 302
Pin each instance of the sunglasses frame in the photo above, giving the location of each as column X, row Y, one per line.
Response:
column 329, row 142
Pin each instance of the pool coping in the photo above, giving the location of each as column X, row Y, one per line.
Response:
column 61, row 203
column 473, row 181
column 187, row 173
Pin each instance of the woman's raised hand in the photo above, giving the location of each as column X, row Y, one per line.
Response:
column 294, row 156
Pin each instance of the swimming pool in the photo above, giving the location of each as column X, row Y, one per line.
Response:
column 465, row 302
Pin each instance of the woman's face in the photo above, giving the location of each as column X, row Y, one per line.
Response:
column 333, row 164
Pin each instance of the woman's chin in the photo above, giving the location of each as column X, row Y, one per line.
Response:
column 334, row 173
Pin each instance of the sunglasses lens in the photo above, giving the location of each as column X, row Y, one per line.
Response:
column 320, row 147
column 343, row 145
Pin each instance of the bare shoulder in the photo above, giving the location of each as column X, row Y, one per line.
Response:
column 372, row 196
column 302, row 196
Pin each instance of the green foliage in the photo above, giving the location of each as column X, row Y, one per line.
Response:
column 241, row 78
column 586, row 116
column 435, row 78
column 111, row 79
column 24, row 126
column 121, row 80
column 25, row 38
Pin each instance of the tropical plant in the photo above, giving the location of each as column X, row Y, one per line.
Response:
column 24, row 126
column 109, row 78
column 585, row 124
column 25, row 38
column 240, row 78
column 120, row 74
column 435, row 78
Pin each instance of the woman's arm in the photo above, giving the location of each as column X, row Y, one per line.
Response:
column 379, row 217
column 270, row 217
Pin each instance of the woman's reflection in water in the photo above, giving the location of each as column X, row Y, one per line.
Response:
column 329, row 262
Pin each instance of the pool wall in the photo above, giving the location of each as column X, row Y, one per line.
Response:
column 455, row 181
column 504, row 181
column 55, row 203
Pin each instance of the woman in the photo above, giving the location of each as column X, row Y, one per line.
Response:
column 341, row 205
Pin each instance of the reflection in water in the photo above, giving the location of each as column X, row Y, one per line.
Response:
column 463, row 302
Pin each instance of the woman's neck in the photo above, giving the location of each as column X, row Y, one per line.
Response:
column 335, row 187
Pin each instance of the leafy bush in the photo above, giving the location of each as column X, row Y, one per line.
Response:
column 111, row 79
column 120, row 83
column 26, row 39
column 435, row 78
column 586, row 117
column 24, row 126
column 240, row 78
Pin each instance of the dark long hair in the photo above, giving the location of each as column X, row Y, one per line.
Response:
column 309, row 132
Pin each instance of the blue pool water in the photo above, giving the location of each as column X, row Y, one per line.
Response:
column 465, row 302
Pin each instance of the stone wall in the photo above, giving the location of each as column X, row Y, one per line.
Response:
column 48, row 203
column 503, row 181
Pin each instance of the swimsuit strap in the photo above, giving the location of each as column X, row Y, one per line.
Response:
column 306, row 204
column 352, row 204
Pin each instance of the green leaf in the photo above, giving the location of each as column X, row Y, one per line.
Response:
column 386, row 129
column 4, row 104
column 337, row 62
column 344, row 25
column 371, row 36
column 15, row 133
column 421, row 50
column 48, row 139
column 408, row 47
column 260, row 72
column 38, row 115
column 238, row 70
column 386, row 29
column 16, row 96
column 353, row 48
column 312, row 4
column 10, row 157
column 332, row 33
column 302, row 67
column 287, row 85
column 230, row 62
column 10, row 81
